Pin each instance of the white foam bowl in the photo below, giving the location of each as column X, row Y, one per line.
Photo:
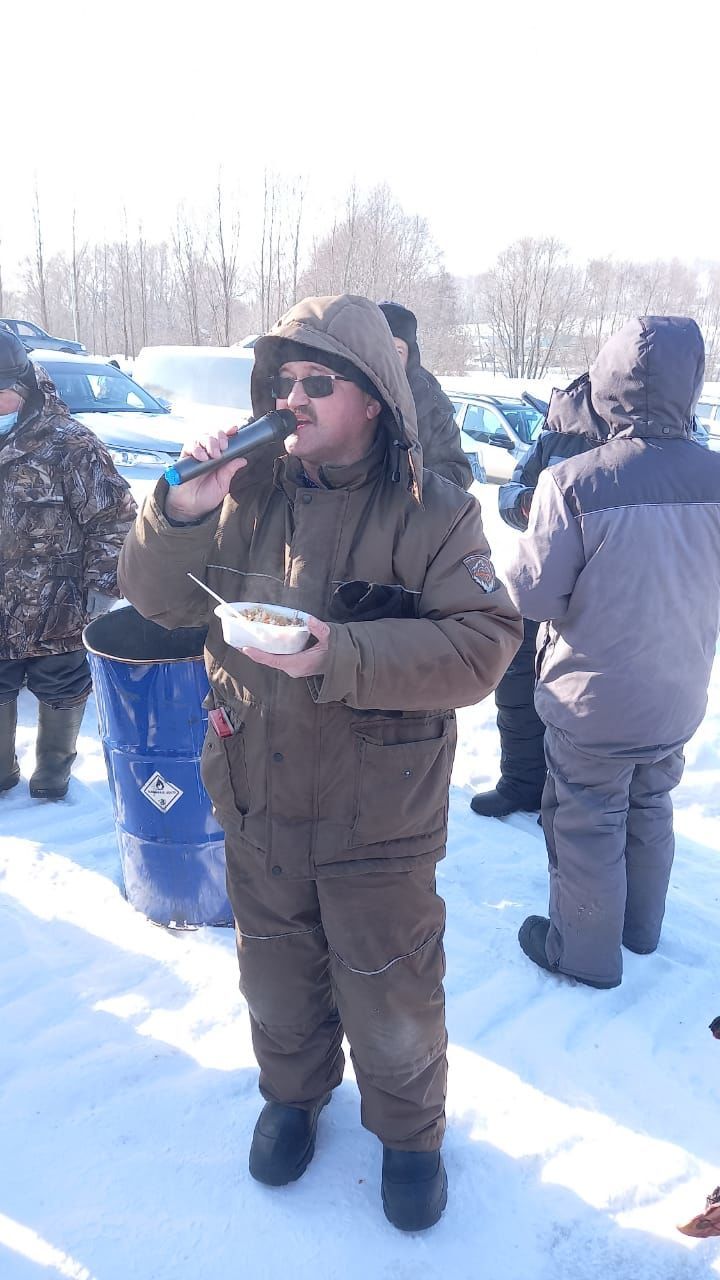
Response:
column 244, row 632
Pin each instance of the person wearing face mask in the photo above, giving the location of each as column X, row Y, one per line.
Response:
column 64, row 513
column 437, row 429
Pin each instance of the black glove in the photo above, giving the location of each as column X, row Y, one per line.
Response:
column 367, row 601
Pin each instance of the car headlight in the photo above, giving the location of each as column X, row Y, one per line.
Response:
column 137, row 457
column 477, row 468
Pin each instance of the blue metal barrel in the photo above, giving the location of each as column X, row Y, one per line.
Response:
column 149, row 687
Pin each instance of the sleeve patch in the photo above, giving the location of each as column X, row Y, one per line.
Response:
column 481, row 570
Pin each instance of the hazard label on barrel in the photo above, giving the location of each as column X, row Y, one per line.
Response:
column 160, row 792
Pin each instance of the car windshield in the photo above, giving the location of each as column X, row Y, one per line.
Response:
column 99, row 389
column 524, row 420
column 200, row 379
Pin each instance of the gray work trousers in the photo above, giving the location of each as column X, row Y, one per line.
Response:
column 361, row 954
column 608, row 826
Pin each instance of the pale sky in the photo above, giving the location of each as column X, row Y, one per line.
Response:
column 595, row 123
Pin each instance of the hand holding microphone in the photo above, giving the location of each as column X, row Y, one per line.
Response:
column 200, row 481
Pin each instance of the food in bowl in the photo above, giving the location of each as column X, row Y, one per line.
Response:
column 273, row 619
column 270, row 627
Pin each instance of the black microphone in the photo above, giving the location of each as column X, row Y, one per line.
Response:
column 275, row 425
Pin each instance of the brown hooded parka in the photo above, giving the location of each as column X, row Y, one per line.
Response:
column 348, row 771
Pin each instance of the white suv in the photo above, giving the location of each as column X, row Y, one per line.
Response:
column 186, row 379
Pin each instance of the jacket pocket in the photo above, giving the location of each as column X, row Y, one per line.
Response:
column 223, row 769
column 44, row 514
column 402, row 786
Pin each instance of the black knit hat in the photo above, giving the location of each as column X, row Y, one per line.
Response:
column 402, row 321
column 285, row 350
column 15, row 367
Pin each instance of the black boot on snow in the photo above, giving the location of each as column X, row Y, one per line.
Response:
column 58, row 729
column 414, row 1188
column 284, row 1142
column 498, row 804
column 532, row 935
column 9, row 768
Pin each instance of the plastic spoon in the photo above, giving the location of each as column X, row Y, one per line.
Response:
column 233, row 612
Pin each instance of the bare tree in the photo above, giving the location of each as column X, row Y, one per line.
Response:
column 531, row 313
column 605, row 303
column 707, row 314
column 279, row 277
column 298, row 194
column 105, row 285
column 224, row 261
column 379, row 250
column 37, row 273
column 531, row 297
column 266, row 252
column 189, row 255
column 141, row 263
column 126, row 284
column 75, row 289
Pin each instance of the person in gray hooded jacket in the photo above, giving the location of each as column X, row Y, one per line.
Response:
column 610, row 563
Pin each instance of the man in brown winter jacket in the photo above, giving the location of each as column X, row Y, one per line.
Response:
column 64, row 513
column 332, row 784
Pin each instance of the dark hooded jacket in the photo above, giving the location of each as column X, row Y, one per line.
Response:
column 571, row 426
column 349, row 770
column 64, row 514
column 622, row 555
column 437, row 429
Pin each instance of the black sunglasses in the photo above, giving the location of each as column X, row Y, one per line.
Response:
column 315, row 385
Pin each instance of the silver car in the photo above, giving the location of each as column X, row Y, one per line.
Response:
column 503, row 427
column 142, row 437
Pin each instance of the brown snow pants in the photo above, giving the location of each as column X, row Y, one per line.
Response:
column 608, row 826
column 359, row 954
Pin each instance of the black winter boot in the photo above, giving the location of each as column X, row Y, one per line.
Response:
column 414, row 1188
column 284, row 1142
column 532, row 935
column 638, row 951
column 9, row 767
column 499, row 804
column 58, row 729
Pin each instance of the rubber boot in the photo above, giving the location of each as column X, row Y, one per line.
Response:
column 58, row 729
column 499, row 804
column 284, row 1142
column 414, row 1188
column 9, row 767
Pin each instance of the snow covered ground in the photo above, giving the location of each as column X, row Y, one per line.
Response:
column 583, row 1125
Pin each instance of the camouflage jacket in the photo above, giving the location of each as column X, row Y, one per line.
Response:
column 64, row 514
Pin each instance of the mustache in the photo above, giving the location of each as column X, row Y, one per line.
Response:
column 306, row 414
